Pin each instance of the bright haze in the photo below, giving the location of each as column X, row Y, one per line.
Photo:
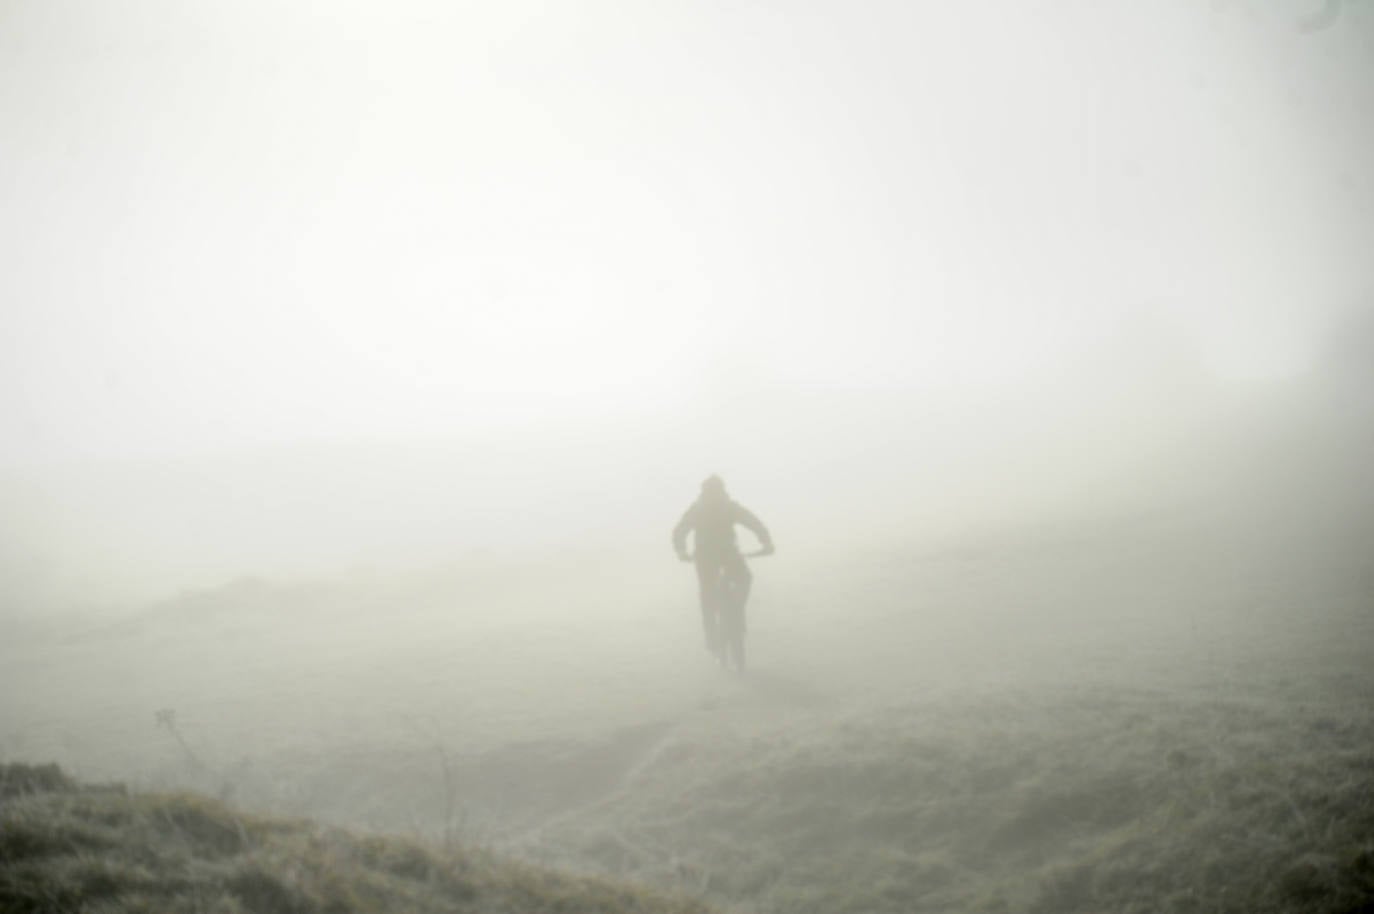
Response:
column 357, row 360
column 293, row 288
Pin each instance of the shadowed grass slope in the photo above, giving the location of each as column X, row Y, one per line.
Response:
column 68, row 848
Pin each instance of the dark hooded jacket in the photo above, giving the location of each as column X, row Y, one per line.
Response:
column 713, row 520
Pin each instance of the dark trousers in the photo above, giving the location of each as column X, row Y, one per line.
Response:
column 724, row 580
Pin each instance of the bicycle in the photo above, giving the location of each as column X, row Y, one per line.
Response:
column 729, row 623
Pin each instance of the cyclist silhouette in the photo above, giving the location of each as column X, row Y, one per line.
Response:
column 722, row 573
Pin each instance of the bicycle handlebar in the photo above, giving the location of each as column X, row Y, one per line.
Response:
column 756, row 554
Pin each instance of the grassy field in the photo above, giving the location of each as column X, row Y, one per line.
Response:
column 66, row 847
column 1054, row 802
column 1166, row 712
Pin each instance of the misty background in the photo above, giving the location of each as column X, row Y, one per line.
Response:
column 297, row 288
column 357, row 359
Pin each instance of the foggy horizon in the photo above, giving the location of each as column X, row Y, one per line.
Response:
column 357, row 234
column 357, row 361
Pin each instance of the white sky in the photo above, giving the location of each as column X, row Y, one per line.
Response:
column 228, row 223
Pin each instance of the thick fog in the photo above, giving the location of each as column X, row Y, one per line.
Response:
column 357, row 360
column 294, row 288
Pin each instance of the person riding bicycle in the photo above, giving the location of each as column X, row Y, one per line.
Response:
column 721, row 571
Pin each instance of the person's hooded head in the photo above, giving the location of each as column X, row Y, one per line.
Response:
column 713, row 491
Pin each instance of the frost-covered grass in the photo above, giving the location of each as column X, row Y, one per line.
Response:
column 1157, row 713
column 66, row 848
column 1057, row 802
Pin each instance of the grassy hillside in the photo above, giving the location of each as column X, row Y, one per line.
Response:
column 68, row 848
column 1055, row 803
column 1170, row 712
column 1050, row 803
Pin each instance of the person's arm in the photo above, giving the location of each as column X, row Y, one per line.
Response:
column 745, row 518
column 684, row 526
